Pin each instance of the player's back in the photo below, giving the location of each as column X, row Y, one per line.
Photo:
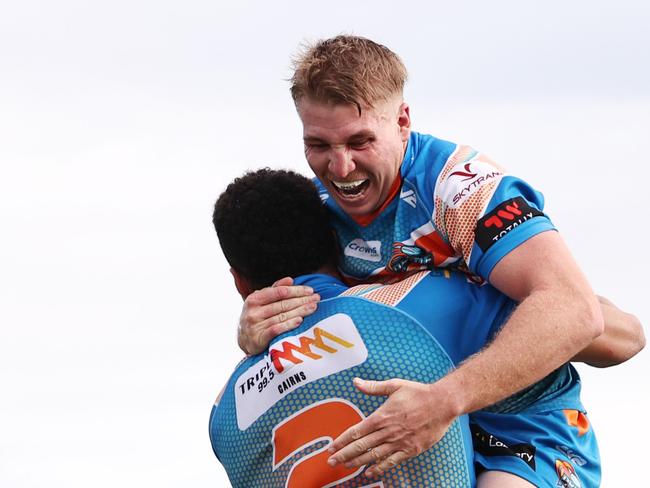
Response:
column 280, row 409
column 464, row 316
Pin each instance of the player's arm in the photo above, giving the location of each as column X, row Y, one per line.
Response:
column 622, row 338
column 558, row 316
column 271, row 311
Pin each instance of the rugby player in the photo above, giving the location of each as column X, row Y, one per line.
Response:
column 271, row 426
column 444, row 304
column 402, row 201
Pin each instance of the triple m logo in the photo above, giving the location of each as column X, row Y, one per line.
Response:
column 287, row 349
column 332, row 345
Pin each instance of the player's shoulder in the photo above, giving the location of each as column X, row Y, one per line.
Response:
column 424, row 285
column 426, row 154
column 464, row 173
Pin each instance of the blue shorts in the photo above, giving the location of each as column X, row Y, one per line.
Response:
column 555, row 449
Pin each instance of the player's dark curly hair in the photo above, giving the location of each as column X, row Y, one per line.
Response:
column 272, row 224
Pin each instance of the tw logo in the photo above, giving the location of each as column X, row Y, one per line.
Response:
column 509, row 213
column 306, row 343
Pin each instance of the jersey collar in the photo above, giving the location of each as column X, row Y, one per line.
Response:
column 325, row 285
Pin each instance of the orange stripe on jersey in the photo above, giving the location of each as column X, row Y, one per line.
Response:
column 439, row 249
column 577, row 419
column 358, row 290
column 392, row 294
column 365, row 220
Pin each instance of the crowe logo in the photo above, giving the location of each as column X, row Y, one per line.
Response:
column 330, row 346
column 304, row 348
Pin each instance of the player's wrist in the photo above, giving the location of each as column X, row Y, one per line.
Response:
column 448, row 397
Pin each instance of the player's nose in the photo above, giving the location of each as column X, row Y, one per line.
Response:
column 340, row 162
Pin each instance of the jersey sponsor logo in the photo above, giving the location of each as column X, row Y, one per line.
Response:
column 504, row 218
column 567, row 477
column 366, row 250
column 459, row 185
column 332, row 345
column 467, row 174
column 490, row 445
column 409, row 197
column 570, row 453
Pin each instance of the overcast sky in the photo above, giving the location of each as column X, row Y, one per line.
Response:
column 122, row 121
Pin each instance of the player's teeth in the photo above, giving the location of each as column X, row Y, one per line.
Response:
column 348, row 185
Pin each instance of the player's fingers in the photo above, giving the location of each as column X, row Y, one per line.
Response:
column 260, row 309
column 287, row 280
column 370, row 387
column 372, row 456
column 357, row 449
column 289, row 305
column 386, row 464
column 261, row 333
column 275, row 330
column 284, row 317
column 352, row 434
column 273, row 294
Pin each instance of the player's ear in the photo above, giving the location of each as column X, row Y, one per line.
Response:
column 241, row 283
column 404, row 120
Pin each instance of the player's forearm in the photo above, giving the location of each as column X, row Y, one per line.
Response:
column 621, row 339
column 535, row 341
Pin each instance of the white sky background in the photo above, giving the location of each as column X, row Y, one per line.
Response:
column 121, row 122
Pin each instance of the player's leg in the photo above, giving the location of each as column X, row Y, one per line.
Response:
column 501, row 479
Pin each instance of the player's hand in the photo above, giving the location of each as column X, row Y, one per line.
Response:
column 411, row 420
column 271, row 311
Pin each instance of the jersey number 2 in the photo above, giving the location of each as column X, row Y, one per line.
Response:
column 321, row 421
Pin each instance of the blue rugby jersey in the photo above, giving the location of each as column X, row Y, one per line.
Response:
column 280, row 409
column 455, row 207
column 418, row 330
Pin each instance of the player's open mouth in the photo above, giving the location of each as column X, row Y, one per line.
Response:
column 351, row 189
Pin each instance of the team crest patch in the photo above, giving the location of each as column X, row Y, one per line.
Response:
column 567, row 477
column 407, row 258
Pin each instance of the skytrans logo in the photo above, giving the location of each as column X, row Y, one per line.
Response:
column 466, row 179
column 332, row 345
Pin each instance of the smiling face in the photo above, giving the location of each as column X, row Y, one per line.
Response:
column 356, row 156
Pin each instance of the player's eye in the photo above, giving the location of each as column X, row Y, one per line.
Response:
column 360, row 143
column 316, row 146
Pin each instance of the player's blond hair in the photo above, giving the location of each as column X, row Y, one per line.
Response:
column 347, row 70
